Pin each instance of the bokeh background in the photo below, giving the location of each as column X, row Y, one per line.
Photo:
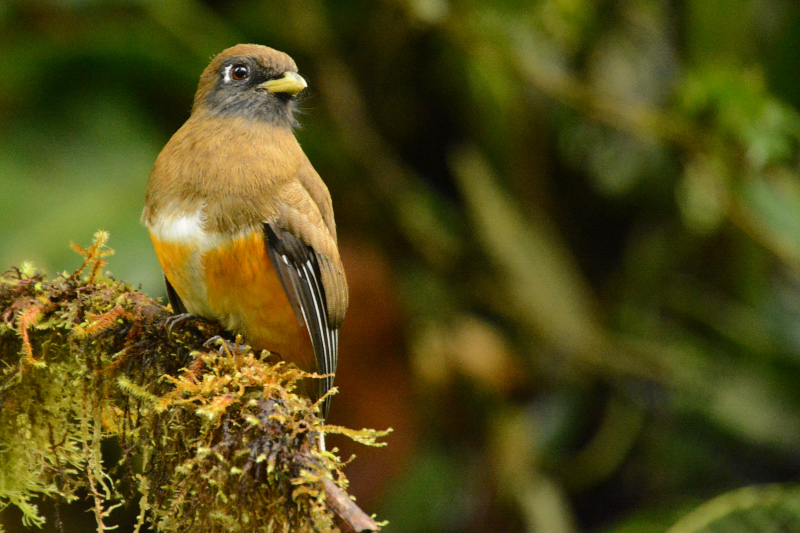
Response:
column 571, row 230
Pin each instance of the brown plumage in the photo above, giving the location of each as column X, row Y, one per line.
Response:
column 242, row 223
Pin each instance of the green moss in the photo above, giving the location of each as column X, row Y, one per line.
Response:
column 223, row 442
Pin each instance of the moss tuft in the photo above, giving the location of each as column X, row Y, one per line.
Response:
column 213, row 440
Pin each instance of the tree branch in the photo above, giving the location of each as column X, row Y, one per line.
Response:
column 211, row 441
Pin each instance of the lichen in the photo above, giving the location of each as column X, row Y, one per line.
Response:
column 211, row 440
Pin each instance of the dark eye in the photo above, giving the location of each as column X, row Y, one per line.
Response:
column 240, row 72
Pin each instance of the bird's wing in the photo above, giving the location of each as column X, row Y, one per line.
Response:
column 178, row 306
column 320, row 233
column 298, row 268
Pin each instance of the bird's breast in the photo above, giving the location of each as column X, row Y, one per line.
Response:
column 229, row 277
column 180, row 242
column 184, row 228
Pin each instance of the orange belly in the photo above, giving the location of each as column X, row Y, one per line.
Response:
column 234, row 283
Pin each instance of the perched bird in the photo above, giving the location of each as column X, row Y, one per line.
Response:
column 241, row 222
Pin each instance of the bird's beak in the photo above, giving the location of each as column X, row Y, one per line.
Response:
column 290, row 83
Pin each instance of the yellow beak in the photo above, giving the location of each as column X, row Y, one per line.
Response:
column 291, row 83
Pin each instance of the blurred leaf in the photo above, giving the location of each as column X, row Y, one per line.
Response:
column 702, row 195
column 539, row 276
column 773, row 208
column 430, row 11
column 756, row 509
column 751, row 404
column 603, row 455
column 518, row 445
column 567, row 22
column 736, row 101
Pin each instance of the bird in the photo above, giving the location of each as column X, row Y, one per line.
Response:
column 243, row 225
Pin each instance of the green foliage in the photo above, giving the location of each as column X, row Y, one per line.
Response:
column 213, row 441
column 771, row 508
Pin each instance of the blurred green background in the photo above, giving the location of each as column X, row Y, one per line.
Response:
column 571, row 230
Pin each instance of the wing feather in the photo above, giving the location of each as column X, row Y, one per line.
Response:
column 178, row 306
column 298, row 269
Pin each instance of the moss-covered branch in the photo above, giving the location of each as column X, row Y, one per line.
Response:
column 211, row 440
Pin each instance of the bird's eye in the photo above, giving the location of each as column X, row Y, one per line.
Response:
column 240, row 72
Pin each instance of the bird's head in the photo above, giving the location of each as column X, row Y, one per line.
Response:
column 250, row 81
